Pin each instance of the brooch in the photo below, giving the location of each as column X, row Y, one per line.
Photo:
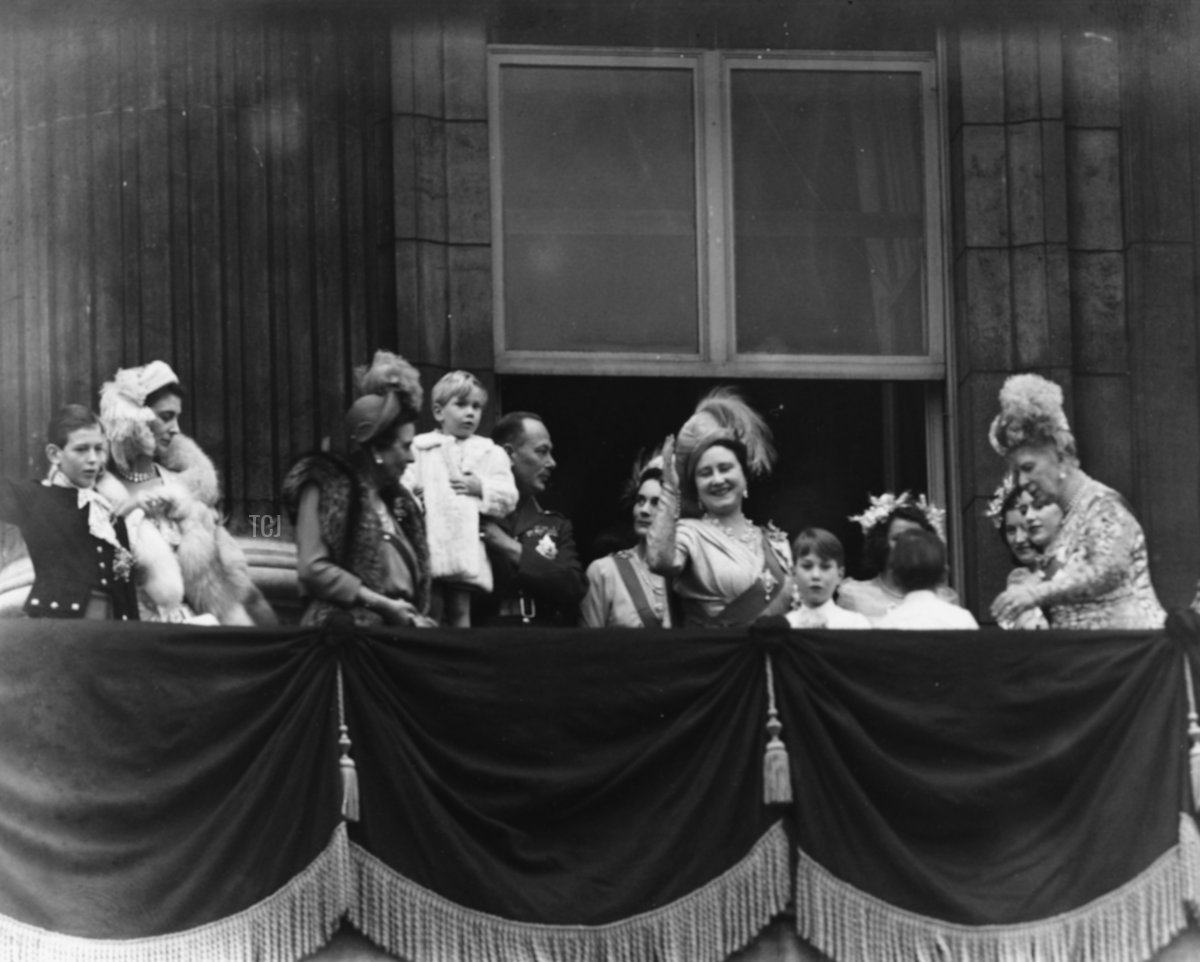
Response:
column 546, row 547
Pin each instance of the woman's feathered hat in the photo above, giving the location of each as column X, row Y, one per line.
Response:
column 722, row 415
column 390, row 372
column 388, row 377
column 1031, row 413
column 123, row 412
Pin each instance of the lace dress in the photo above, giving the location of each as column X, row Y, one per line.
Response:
column 1099, row 568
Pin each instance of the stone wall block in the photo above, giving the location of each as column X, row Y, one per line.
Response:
column 465, row 51
column 1022, row 87
column 985, row 186
column 1026, row 184
column 429, row 143
column 1102, row 422
column 1054, row 182
column 1092, row 78
column 1030, row 308
column 1050, row 70
column 469, row 176
column 988, row 319
column 1098, row 309
column 470, row 306
column 1094, row 189
column 1058, row 305
column 981, row 57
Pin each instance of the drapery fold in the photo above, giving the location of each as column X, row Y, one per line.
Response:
column 155, row 780
column 171, row 793
column 988, row 796
column 566, row 785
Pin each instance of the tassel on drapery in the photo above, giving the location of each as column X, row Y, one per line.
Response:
column 707, row 925
column 345, row 762
column 777, row 773
column 1129, row 924
column 1193, row 733
column 290, row 924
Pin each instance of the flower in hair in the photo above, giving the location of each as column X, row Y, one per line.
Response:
column 882, row 507
column 995, row 508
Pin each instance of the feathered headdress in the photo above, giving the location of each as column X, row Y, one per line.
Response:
column 723, row 413
column 390, row 372
column 995, row 509
column 123, row 412
column 1031, row 413
column 646, row 461
column 881, row 508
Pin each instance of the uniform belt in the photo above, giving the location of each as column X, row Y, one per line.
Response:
column 521, row 606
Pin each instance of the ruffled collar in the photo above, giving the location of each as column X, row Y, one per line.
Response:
column 99, row 508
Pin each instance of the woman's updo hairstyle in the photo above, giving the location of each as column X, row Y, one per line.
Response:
column 1031, row 414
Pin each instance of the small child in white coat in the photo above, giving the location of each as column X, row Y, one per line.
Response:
column 819, row 566
column 918, row 565
column 460, row 476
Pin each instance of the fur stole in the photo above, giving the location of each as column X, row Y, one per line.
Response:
column 215, row 566
column 352, row 531
column 194, row 469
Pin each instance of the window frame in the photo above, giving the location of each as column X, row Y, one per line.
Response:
column 715, row 256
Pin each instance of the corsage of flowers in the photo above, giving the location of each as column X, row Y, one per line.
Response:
column 995, row 508
column 881, row 507
column 122, row 563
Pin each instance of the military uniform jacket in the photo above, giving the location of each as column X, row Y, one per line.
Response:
column 546, row 586
column 69, row 562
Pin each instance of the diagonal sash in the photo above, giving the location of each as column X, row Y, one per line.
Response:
column 754, row 603
column 633, row 585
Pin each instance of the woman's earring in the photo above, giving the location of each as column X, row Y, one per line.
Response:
column 378, row 459
column 1062, row 475
column 746, row 493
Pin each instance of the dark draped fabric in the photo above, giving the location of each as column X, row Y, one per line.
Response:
column 984, row 778
column 565, row 780
column 591, row 795
column 154, row 778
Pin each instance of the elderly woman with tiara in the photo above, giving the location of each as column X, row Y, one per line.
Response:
column 726, row 570
column 1097, row 568
column 360, row 539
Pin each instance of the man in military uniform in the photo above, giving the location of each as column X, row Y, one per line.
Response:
column 538, row 577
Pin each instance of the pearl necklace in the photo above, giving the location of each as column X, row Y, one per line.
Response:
column 752, row 539
column 135, row 477
column 749, row 535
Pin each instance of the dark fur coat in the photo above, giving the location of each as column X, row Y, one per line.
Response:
column 352, row 531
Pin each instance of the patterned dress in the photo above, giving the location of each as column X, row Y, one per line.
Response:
column 1099, row 568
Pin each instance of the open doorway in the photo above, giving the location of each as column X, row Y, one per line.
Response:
column 838, row 441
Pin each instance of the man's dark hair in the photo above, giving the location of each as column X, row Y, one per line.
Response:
column 918, row 561
column 510, row 429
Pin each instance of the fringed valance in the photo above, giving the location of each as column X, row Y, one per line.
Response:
column 985, row 797
column 595, row 796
